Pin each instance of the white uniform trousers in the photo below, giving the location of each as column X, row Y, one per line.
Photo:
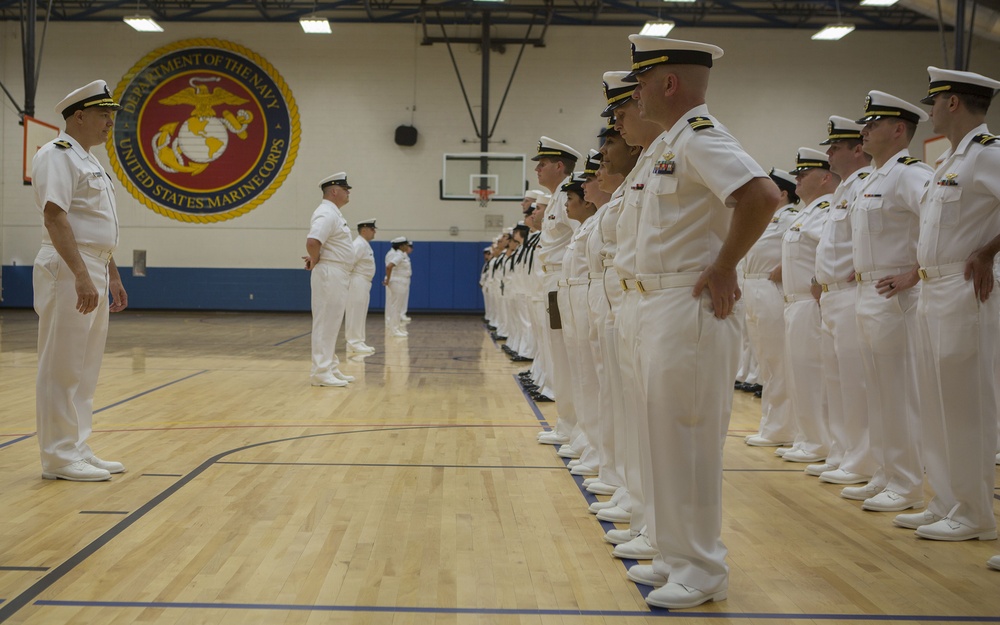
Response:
column 583, row 373
column 487, row 302
column 613, row 427
column 637, row 430
column 604, row 432
column 527, row 347
column 396, row 293
column 956, row 351
column 765, row 306
column 358, row 295
column 804, row 369
column 844, row 374
column 888, row 329
column 543, row 360
column 749, row 368
column 560, row 380
column 687, row 362
column 329, row 282
column 70, row 349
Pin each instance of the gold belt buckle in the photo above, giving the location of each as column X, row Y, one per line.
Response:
column 825, row 287
column 638, row 285
column 624, row 284
column 857, row 276
column 922, row 273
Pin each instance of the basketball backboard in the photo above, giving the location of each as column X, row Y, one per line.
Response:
column 464, row 175
column 36, row 134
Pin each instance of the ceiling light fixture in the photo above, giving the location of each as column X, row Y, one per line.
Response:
column 143, row 23
column 316, row 25
column 657, row 29
column 878, row 3
column 833, row 32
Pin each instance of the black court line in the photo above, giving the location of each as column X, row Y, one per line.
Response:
column 24, row 568
column 13, row 605
column 379, row 464
column 659, row 613
column 161, row 475
column 294, row 338
column 128, row 399
column 16, row 440
column 103, row 511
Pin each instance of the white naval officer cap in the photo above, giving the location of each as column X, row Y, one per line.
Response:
column 648, row 52
column 400, row 241
column 881, row 105
column 93, row 94
column 550, row 148
column 339, row 179
column 955, row 81
column 808, row 158
column 842, row 129
column 544, row 198
column 616, row 91
column 366, row 222
column 532, row 194
column 593, row 163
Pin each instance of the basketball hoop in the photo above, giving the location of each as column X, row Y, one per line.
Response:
column 484, row 196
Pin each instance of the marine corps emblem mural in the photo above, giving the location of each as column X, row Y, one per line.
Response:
column 208, row 130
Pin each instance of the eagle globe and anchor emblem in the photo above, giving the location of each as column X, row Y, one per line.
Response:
column 207, row 132
column 204, row 136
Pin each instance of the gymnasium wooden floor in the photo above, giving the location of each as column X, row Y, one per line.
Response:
column 417, row 495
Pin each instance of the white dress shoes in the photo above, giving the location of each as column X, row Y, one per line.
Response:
column 341, row 376
column 79, row 471
column 360, row 349
column 618, row 537
column 816, row 470
column 583, row 469
column 840, row 476
column 600, row 488
column 328, row 381
column 891, row 501
column 801, row 455
column 759, row 441
column 565, row 451
column 994, row 562
column 400, row 334
column 781, row 451
column 860, row 493
column 915, row 520
column 636, row 549
column 952, row 530
column 597, row 506
column 614, row 515
column 678, row 596
column 108, row 465
column 644, row 574
column 552, row 438
column 572, row 463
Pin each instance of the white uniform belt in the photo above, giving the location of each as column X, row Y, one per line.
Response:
column 577, row 281
column 608, row 262
column 551, row 268
column 94, row 250
column 878, row 274
column 797, row 297
column 562, row 283
column 658, row 281
column 837, row 286
column 757, row 276
column 940, row 271
column 596, row 275
column 338, row 262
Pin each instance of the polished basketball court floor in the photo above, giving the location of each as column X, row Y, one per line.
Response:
column 417, row 495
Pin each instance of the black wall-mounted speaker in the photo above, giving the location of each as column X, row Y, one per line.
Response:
column 406, row 135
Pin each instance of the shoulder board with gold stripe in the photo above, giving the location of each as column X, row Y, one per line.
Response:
column 864, row 174
column 823, row 204
column 700, row 123
column 63, row 144
column 908, row 160
column 985, row 139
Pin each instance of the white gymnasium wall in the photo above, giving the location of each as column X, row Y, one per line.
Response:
column 774, row 89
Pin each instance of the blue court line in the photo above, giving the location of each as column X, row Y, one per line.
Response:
column 291, row 607
column 378, row 464
column 533, row 405
column 128, row 399
column 16, row 440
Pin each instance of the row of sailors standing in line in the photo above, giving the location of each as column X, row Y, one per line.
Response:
column 877, row 278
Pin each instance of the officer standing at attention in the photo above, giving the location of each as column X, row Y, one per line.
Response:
column 397, row 283
column 706, row 203
column 957, row 313
column 330, row 256
column 73, row 272
column 360, row 288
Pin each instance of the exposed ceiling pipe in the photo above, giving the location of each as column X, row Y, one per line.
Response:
column 987, row 20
